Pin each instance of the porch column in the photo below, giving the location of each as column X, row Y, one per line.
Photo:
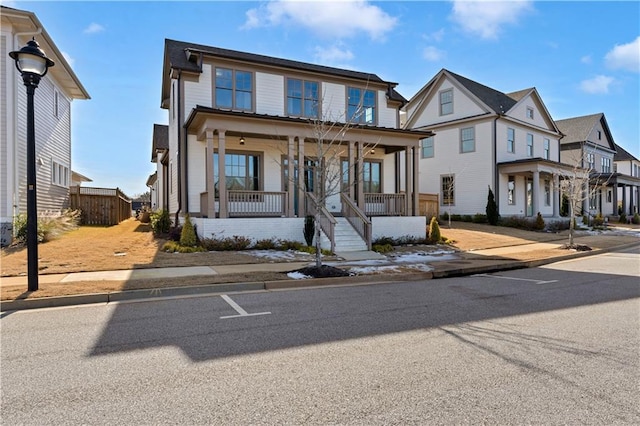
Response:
column 360, row 168
column 290, row 184
column 556, row 196
column 624, row 200
column 632, row 190
column 222, row 179
column 585, row 198
column 352, row 170
column 416, row 181
column 407, row 180
column 615, row 199
column 301, row 189
column 210, row 184
column 535, row 199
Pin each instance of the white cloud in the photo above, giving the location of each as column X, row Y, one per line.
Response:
column 625, row 56
column 586, row 59
column 68, row 58
column 436, row 36
column 432, row 54
column 597, row 85
column 485, row 18
column 327, row 18
column 332, row 55
column 93, row 28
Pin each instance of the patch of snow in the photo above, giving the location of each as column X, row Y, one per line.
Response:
column 298, row 276
column 276, row 254
column 374, row 270
column 422, row 257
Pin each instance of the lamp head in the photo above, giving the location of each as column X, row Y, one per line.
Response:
column 31, row 59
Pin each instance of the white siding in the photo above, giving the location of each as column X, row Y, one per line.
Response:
column 502, row 155
column 172, row 190
column 270, row 94
column 389, row 174
column 5, row 161
column 198, row 92
column 387, row 117
column 333, row 101
column 520, row 112
column 197, row 172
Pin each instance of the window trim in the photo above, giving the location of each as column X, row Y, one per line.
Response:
column 451, row 199
column 361, row 119
column 462, row 151
column 511, row 143
column 233, row 89
column 60, row 174
column 529, row 144
column 344, row 171
column 440, row 103
column 56, row 103
column 246, row 154
column 423, row 147
column 547, row 192
column 530, row 113
column 546, row 149
column 302, row 99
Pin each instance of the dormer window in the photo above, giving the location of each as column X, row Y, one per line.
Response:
column 234, row 89
column 530, row 113
column 446, row 102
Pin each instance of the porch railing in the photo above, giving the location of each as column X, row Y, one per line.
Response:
column 384, row 204
column 256, row 203
column 326, row 220
column 357, row 219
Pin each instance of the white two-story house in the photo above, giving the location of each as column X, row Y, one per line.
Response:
column 52, row 111
column 589, row 142
column 486, row 139
column 253, row 140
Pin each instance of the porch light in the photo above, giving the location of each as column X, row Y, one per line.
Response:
column 241, row 140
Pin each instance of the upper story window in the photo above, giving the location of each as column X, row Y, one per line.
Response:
column 234, row 89
column 59, row 174
column 591, row 161
column 426, row 147
column 446, row 102
column 599, row 135
column 606, row 165
column 468, row 139
column 547, row 149
column 511, row 140
column 302, row 98
column 529, row 145
column 56, row 104
column 361, row 105
column 530, row 113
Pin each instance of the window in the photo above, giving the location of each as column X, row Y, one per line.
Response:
column 371, row 176
column 511, row 191
column 529, row 145
column 467, row 140
column 361, row 105
column 530, row 113
column 426, row 147
column 302, row 98
column 446, row 102
column 591, row 161
column 511, row 140
column 599, row 135
column 242, row 172
column 234, row 89
column 547, row 148
column 593, row 201
column 56, row 104
column 59, row 174
column 609, row 193
column 606, row 165
column 547, row 192
column 447, row 190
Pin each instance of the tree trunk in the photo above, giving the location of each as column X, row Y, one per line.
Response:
column 318, row 250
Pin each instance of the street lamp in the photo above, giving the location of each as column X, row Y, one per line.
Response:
column 33, row 64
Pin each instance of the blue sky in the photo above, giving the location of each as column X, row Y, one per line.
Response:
column 583, row 57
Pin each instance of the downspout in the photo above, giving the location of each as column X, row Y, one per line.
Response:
column 15, row 184
column 178, row 156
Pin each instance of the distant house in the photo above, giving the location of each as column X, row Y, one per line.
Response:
column 77, row 179
column 158, row 182
column 589, row 142
column 242, row 148
column 487, row 139
column 627, row 168
column 53, row 98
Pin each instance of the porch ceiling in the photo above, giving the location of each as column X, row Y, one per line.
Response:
column 235, row 123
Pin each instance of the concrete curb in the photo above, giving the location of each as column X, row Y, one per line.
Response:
column 213, row 289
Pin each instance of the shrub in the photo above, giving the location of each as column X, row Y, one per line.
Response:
column 539, row 224
column 160, row 221
column 479, row 218
column 188, row 235
column 49, row 225
column 598, row 220
column 265, row 244
column 234, row 243
column 636, row 219
column 434, row 231
column 176, row 247
column 289, row 245
column 492, row 209
column 309, row 229
column 519, row 222
column 382, row 248
column 559, row 225
column 623, row 218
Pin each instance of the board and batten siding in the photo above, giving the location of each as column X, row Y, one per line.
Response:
column 334, row 97
column 270, row 94
column 387, row 117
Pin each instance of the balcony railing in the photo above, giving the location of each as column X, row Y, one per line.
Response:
column 384, row 204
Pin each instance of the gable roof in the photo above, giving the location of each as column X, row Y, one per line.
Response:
column 497, row 101
column 160, row 140
column 578, row 129
column 177, row 55
column 622, row 154
column 24, row 21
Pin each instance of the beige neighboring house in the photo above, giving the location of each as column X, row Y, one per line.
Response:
column 53, row 97
column 252, row 116
column 484, row 139
column 589, row 142
column 77, row 179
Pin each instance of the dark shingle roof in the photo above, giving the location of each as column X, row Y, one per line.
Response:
column 622, row 154
column 160, row 139
column 577, row 129
column 497, row 101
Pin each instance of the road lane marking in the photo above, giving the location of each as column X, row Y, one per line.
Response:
column 516, row 279
column 241, row 312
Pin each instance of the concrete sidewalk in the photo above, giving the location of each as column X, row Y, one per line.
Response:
column 468, row 262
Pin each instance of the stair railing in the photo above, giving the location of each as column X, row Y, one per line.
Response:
column 325, row 219
column 357, row 219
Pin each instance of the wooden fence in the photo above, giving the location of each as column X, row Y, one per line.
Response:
column 100, row 206
column 429, row 206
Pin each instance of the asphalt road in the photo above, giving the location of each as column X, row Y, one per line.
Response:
column 558, row 344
